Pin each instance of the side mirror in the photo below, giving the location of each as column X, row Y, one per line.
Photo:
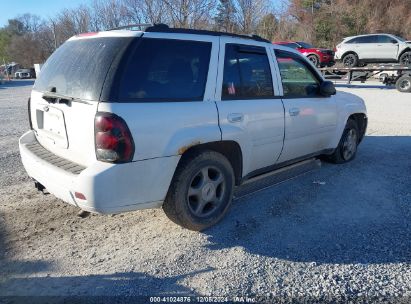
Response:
column 327, row 88
column 393, row 41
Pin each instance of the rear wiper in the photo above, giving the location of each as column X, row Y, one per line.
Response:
column 52, row 97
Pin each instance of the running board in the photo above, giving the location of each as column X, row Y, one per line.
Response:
column 275, row 177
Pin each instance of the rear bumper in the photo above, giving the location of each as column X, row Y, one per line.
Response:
column 108, row 188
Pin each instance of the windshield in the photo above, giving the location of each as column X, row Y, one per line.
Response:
column 399, row 38
column 78, row 68
column 305, row 45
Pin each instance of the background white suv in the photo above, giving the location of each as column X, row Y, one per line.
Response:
column 376, row 48
column 126, row 120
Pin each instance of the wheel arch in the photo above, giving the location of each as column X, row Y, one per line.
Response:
column 348, row 52
column 229, row 148
column 362, row 121
column 313, row 54
column 407, row 49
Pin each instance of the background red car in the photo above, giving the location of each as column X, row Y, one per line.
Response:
column 318, row 56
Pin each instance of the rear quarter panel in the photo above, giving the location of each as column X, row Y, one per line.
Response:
column 168, row 128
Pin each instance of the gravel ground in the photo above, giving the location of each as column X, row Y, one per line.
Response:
column 341, row 232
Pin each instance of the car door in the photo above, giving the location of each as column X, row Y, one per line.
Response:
column 367, row 47
column 250, row 108
column 310, row 119
column 387, row 48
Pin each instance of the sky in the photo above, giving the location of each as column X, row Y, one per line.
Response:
column 43, row 8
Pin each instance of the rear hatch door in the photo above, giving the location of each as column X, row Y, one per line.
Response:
column 65, row 96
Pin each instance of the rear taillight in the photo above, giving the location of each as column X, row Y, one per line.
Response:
column 113, row 139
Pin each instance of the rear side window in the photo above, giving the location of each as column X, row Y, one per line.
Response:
column 364, row 39
column 371, row 39
column 78, row 68
column 247, row 73
column 297, row 77
column 166, row 70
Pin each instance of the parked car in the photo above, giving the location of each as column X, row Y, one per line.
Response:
column 24, row 74
column 374, row 48
column 318, row 56
column 178, row 119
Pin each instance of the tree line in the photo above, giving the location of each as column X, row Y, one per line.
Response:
column 29, row 39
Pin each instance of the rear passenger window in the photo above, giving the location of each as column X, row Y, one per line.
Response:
column 370, row 39
column 363, row 39
column 247, row 73
column 297, row 77
column 166, row 70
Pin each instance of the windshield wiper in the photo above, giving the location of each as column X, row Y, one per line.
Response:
column 52, row 97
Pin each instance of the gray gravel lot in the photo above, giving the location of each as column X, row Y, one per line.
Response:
column 346, row 237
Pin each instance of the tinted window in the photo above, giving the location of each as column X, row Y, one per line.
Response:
column 386, row 39
column 297, row 78
column 78, row 68
column 290, row 45
column 166, row 70
column 354, row 40
column 247, row 73
column 305, row 45
column 370, row 39
column 364, row 39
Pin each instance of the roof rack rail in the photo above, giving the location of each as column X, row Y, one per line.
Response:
column 164, row 28
column 142, row 26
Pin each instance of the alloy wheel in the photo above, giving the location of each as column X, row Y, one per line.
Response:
column 349, row 60
column 405, row 84
column 314, row 60
column 406, row 59
column 206, row 191
column 350, row 144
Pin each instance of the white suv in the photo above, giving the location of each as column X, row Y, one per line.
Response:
column 125, row 120
column 377, row 48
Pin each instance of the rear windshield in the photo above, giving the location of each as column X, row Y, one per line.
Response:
column 78, row 68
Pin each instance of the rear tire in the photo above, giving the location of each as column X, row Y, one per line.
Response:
column 347, row 147
column 403, row 84
column 201, row 191
column 350, row 60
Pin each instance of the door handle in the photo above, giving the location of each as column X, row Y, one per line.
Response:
column 294, row 111
column 235, row 117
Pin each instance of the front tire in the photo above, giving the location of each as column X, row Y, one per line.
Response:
column 314, row 59
column 405, row 59
column 347, row 147
column 201, row 191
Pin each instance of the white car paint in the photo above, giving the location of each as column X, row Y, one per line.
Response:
column 377, row 51
column 264, row 130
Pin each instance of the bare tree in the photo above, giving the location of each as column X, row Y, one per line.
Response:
column 190, row 13
column 146, row 11
column 110, row 13
column 249, row 12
